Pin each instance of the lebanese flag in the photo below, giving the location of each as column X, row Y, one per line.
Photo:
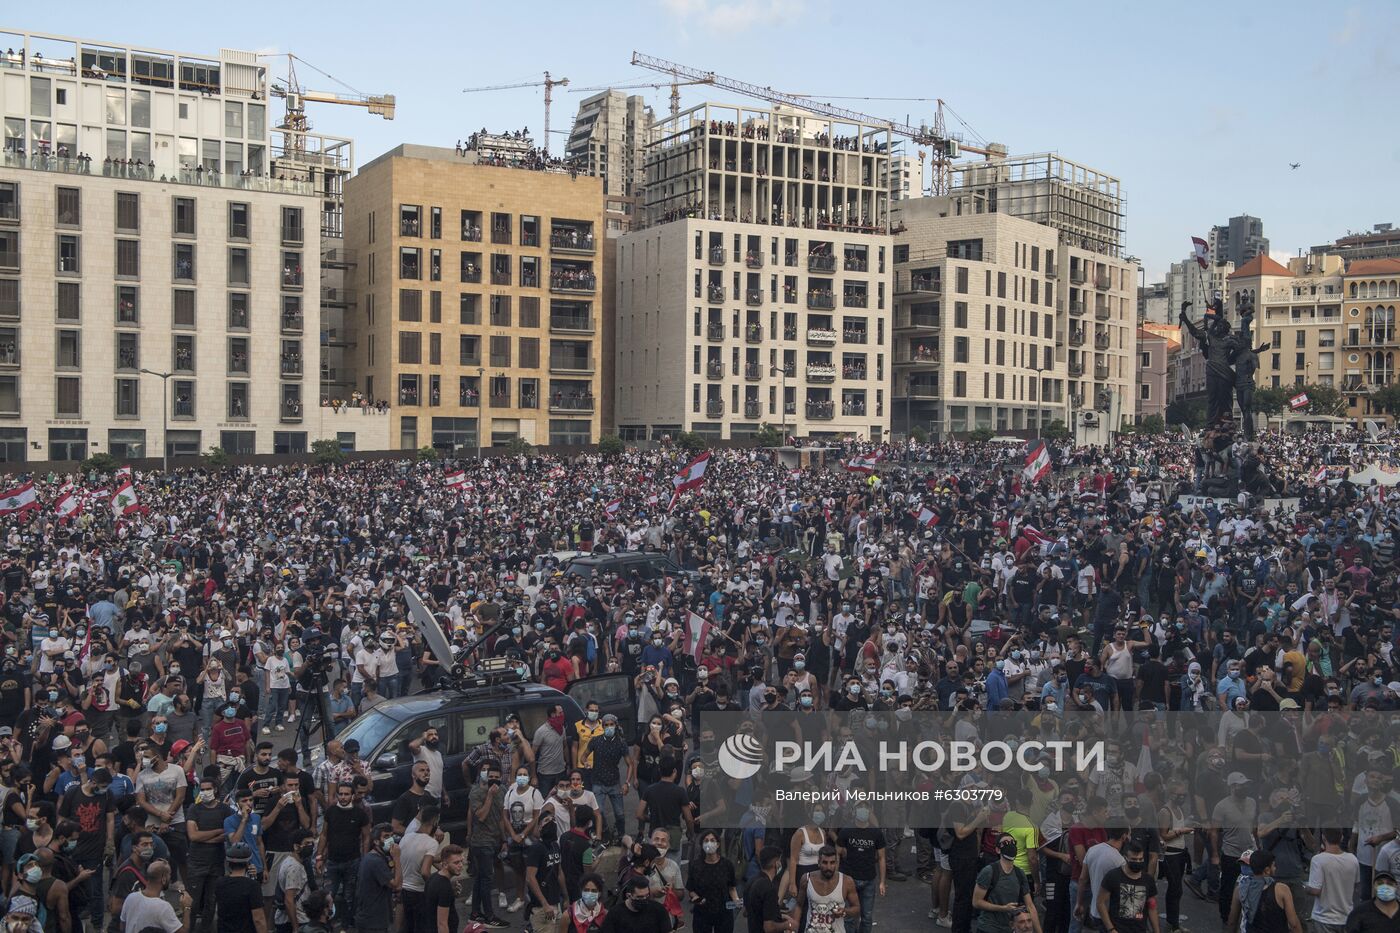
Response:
column 1321, row 475
column 123, row 474
column 1201, row 249
column 1037, row 462
column 693, row 475
column 67, row 503
column 125, row 500
column 220, row 517
column 862, row 464
column 20, row 499
column 1033, row 535
column 926, row 516
column 610, row 509
column 455, row 480
column 556, row 473
column 697, row 632
column 1298, row 401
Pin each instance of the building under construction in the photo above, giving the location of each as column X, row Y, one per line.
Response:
column 1083, row 204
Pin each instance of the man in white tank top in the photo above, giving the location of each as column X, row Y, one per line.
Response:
column 826, row 897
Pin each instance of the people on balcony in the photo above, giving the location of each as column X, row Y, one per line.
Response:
column 579, row 279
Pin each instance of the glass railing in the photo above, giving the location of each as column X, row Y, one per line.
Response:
column 136, row 171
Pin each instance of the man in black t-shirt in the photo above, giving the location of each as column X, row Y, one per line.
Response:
column 88, row 805
column 761, row 895
column 1127, row 896
column 262, row 780
column 544, row 876
column 665, row 805
column 439, row 896
column 236, row 895
column 344, row 836
column 862, row 850
column 408, row 804
column 204, row 822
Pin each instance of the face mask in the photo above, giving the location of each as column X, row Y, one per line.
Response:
column 609, row 731
column 818, row 817
column 589, row 898
column 79, row 761
column 806, row 701
column 710, row 847
column 1007, row 850
column 388, row 843
column 697, row 773
column 799, row 665
column 522, row 780
column 161, row 728
column 31, row 824
column 1235, row 675
column 1136, row 864
column 345, row 804
column 33, row 873
column 147, row 852
column 230, row 712
column 593, row 715
column 53, row 694
column 1385, row 892
column 862, row 814
column 146, row 761
column 853, row 690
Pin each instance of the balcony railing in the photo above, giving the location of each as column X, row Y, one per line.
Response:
column 1077, row 338
column 1100, row 371
column 821, row 262
column 1077, row 275
column 1101, row 312
column 337, row 297
column 753, row 333
column 573, row 282
column 855, row 336
column 471, row 234
column 9, row 307
column 292, row 322
column 821, row 411
column 1051, row 270
column 854, row 372
column 500, row 235
column 714, row 369
column 291, row 278
column 571, row 323
column 753, row 259
column 753, row 297
column 715, row 293
column 291, row 367
column 918, row 322
column 715, row 409
column 853, row 407
column 789, row 259
column 752, row 409
column 1103, row 280
column 753, row 371
column 855, row 299
column 914, row 283
column 9, row 210
column 147, row 172
column 472, row 275
column 921, row 389
column 820, row 372
column 500, row 276
column 789, row 333
column 9, row 259
column 1076, row 307
column 717, row 255
column 569, row 401
column 571, row 363
column 821, row 336
column 714, row 331
column 1101, row 341
column 1076, row 369
column 855, row 264
column 822, row 300
column 571, row 241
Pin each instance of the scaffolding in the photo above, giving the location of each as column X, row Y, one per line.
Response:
column 1083, row 204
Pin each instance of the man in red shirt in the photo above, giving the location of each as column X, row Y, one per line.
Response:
column 557, row 670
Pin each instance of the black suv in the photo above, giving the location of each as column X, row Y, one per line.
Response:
column 464, row 720
column 649, row 565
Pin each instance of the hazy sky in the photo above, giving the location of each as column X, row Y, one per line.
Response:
column 1197, row 108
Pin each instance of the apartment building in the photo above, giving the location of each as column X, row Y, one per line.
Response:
column 975, row 329
column 607, row 141
column 155, row 280
column 906, row 177
column 758, row 288
column 1371, row 294
column 477, row 286
column 1298, row 312
column 1156, row 344
column 1238, row 240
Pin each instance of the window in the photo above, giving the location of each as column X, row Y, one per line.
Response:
column 126, row 443
column 238, row 400
column 129, row 258
column 529, row 353
column 67, row 304
column 500, row 310
column 238, row 220
column 500, row 228
column 69, row 207
column 68, row 255
column 9, row 398
column 184, row 262
column 182, row 398
column 410, row 348
column 292, row 320
column 435, row 223
column 410, row 304
column 960, row 349
column 435, row 349
column 410, row 263
column 9, row 346
column 1145, row 391
column 408, row 432
column 238, row 356
column 961, row 280
column 182, row 353
column 289, row 442
column 291, row 270
column 68, row 443
column 69, row 352
column 238, row 442
column 435, row 307
column 128, row 398
column 469, row 309
column 565, row 431
column 184, row 217
column 128, row 211
column 1146, row 361
column 68, row 397
column 9, row 249
column 182, row 305
column 529, row 312
column 960, row 385
column 468, row 350
column 1300, row 338
column 500, row 350
column 238, row 310
column 965, row 249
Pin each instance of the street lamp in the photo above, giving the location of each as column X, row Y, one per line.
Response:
column 480, row 408
column 782, row 371
column 164, row 416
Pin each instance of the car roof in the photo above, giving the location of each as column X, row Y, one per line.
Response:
column 591, row 560
column 403, row 709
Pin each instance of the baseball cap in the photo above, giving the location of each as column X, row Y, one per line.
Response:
column 1235, row 779
column 239, row 853
column 6, row 732
column 1393, row 686
column 352, row 746
column 1383, row 874
column 62, row 742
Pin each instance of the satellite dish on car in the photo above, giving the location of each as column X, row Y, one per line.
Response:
column 431, row 631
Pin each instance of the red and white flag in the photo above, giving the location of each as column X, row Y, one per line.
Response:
column 125, row 500
column 123, row 474
column 697, row 633
column 455, row 480
column 610, row 509
column 1033, row 535
column 1037, row 462
column 220, row 517
column 863, row 464
column 67, row 503
column 1201, row 249
column 926, row 516
column 1298, row 401
column 1321, row 475
column 20, row 499
column 556, row 473
column 693, row 475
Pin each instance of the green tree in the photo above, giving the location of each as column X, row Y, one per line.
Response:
column 919, row 435
column 1190, row 413
column 610, row 445
column 1324, row 400
column 768, row 436
column 981, row 435
column 1152, row 424
column 327, row 451
column 215, row 458
column 1387, row 399
column 519, row 447
column 1270, row 401
column 426, row 454
column 101, row 463
column 690, row 442
column 1055, row 431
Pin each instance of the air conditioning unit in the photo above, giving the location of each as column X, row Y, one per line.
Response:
column 1090, row 419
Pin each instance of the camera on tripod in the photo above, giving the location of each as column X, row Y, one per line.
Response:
column 318, row 655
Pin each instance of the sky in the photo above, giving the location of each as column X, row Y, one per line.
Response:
column 1198, row 109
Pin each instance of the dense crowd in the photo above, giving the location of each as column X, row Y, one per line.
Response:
column 154, row 664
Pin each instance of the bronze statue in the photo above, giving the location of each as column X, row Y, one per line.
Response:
column 1219, row 348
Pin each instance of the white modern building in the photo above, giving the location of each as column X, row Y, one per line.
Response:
column 157, row 279
column 758, row 287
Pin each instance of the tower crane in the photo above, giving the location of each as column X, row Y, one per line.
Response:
column 549, row 84
column 674, row 84
column 944, row 147
column 296, row 124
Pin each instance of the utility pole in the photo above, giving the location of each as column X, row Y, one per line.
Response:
column 164, row 417
column 782, row 370
column 480, row 408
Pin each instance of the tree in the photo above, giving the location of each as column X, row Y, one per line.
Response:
column 101, row 463
column 1325, row 400
column 519, row 447
column 426, row 454
column 1152, row 424
column 216, row 458
column 1055, row 431
column 1190, row 413
column 610, row 445
column 690, row 442
column 919, row 435
column 1387, row 399
column 327, row 451
column 981, row 435
column 768, row 436
column 1270, row 400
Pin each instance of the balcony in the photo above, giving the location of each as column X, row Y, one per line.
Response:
column 752, row 409
column 471, row 233
column 857, row 373
column 1103, row 280
column 921, row 388
column 753, row 333
column 337, row 297
column 1051, row 270
column 821, row 336
column 789, row 333
column 1077, row 337
column 855, row 299
column 717, row 255
column 529, row 278
column 9, row 211
column 472, row 274
column 1101, row 341
column 714, row 408
column 715, row 293
column 754, row 297
column 571, row 241
column 753, row 259
column 917, row 283
column 1076, row 369
column 821, row 411
column 714, row 369
column 43, row 162
column 570, row 363
column 500, row 235
column 292, row 277
column 821, row 372
column 9, row 259
column 753, row 371
column 854, row 335
column 571, row 323
column 1076, row 308
column 916, row 321
column 855, row 264
column 714, row 331
column 291, row 366
column 292, row 322
column 570, row 401
column 500, row 276
column 573, row 282
column 821, row 262
column 9, row 307
column 291, row 409
column 1101, row 312
column 1100, row 371
column 789, row 259
column 820, row 300
column 1077, row 275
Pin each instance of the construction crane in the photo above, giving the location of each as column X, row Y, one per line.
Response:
column 296, row 124
column 674, row 84
column 944, row 147
column 549, row 84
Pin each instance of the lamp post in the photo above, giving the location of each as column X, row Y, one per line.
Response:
column 782, row 371
column 164, row 416
column 480, row 407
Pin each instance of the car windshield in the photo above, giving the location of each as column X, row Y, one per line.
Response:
column 370, row 730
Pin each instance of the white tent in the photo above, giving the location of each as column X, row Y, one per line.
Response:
column 1375, row 472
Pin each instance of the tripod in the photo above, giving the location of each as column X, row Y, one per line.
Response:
column 313, row 691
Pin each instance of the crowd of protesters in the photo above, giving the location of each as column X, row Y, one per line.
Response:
column 152, row 665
